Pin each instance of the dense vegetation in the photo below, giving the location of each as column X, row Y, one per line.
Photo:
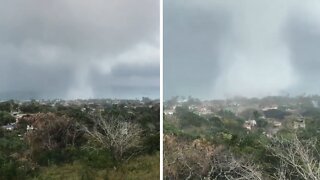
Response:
column 218, row 146
column 80, row 141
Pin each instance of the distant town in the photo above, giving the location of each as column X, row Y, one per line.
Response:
column 90, row 106
column 274, row 113
column 272, row 137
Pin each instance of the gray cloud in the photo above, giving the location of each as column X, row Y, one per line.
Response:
column 218, row 49
column 192, row 36
column 303, row 39
column 57, row 48
column 125, row 80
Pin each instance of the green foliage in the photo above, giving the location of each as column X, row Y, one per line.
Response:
column 313, row 113
column 261, row 123
column 32, row 107
column 66, row 171
column 225, row 131
column 97, row 158
column 10, row 168
column 286, row 133
column 75, row 113
column 216, row 122
column 169, row 128
column 275, row 113
column 148, row 118
column 234, row 126
column 250, row 114
column 227, row 114
column 142, row 167
column 312, row 129
column 2, row 132
column 151, row 143
column 6, row 106
column 6, row 118
column 11, row 143
column 59, row 148
column 57, row 156
column 188, row 118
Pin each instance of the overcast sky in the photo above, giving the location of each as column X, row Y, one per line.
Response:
column 219, row 49
column 79, row 49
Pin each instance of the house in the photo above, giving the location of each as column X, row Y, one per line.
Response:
column 298, row 123
column 249, row 124
column 168, row 112
column 192, row 107
column 14, row 113
column 268, row 135
column 204, row 111
column 8, row 127
column 270, row 108
column 30, row 128
column 277, row 124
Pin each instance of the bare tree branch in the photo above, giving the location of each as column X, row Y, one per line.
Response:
column 116, row 134
column 298, row 159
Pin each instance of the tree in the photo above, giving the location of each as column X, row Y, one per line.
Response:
column 202, row 160
column 250, row 114
column 6, row 118
column 116, row 134
column 189, row 119
column 226, row 166
column 52, row 132
column 275, row 113
column 6, row 106
column 299, row 159
column 32, row 107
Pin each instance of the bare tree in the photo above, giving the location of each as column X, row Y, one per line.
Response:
column 116, row 134
column 201, row 160
column 298, row 159
column 226, row 166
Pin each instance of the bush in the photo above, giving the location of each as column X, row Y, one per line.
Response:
column 276, row 113
column 97, row 158
column 142, row 167
column 57, row 156
column 188, row 119
column 6, row 118
column 152, row 143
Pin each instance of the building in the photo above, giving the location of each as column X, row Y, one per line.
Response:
column 249, row 124
column 9, row 127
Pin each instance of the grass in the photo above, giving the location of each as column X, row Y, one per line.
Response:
column 141, row 167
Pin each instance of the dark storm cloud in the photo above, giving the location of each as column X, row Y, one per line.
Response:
column 125, row 81
column 20, row 79
column 218, row 49
column 54, row 48
column 191, row 47
column 123, row 70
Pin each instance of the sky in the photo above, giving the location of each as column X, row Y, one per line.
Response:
column 217, row 49
column 74, row 49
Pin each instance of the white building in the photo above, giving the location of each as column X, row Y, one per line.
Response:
column 30, row 128
column 8, row 127
column 249, row 124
